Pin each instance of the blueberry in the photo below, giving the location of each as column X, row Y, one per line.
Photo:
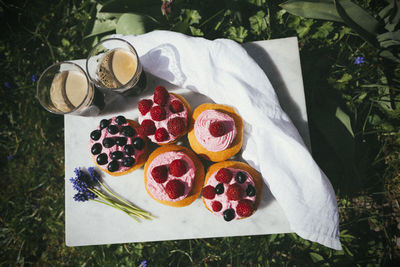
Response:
column 241, row 177
column 108, row 142
column 116, row 155
column 95, row 135
column 104, row 123
column 250, row 191
column 229, row 214
column 138, row 143
column 128, row 161
column 128, row 131
column 120, row 120
column 129, row 149
column 102, row 159
column 219, row 189
column 113, row 166
column 120, row 141
column 96, row 149
column 112, row 129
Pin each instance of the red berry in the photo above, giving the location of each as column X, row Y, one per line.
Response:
column 147, row 128
column 160, row 174
column 161, row 135
column 223, row 175
column 175, row 189
column 245, row 208
column 161, row 95
column 176, row 106
column 208, row 192
column 217, row 129
column 144, row 106
column 176, row 126
column 177, row 168
column 234, row 192
column 157, row 113
column 216, row 206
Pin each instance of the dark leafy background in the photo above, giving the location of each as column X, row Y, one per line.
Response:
column 353, row 114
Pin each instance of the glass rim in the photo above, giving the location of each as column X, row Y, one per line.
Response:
column 97, row 45
column 59, row 64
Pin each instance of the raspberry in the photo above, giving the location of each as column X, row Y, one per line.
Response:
column 177, row 168
column 234, row 192
column 176, row 126
column 245, row 208
column 176, row 106
column 147, row 128
column 216, row 206
column 223, row 175
column 208, row 192
column 161, row 95
column 217, row 129
column 160, row 174
column 144, row 106
column 175, row 189
column 157, row 113
column 161, row 135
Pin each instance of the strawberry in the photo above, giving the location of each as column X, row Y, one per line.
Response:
column 177, row 168
column 176, row 126
column 160, row 174
column 161, row 95
column 216, row 206
column 245, row 208
column 217, row 129
column 176, row 106
column 144, row 106
column 161, row 135
column 157, row 113
column 147, row 128
column 175, row 189
column 234, row 192
column 223, row 175
column 208, row 192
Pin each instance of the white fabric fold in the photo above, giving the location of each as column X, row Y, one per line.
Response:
column 222, row 70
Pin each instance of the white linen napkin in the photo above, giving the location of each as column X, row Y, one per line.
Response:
column 222, row 70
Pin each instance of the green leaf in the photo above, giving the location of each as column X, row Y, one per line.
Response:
column 389, row 39
column 389, row 55
column 315, row 257
column 314, row 9
column 101, row 27
column 345, row 78
column 323, row 31
column 237, row 33
column 191, row 16
column 195, row 31
column 258, row 22
column 131, row 23
column 149, row 7
column 345, row 119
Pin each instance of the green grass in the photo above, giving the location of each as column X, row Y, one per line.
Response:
column 364, row 168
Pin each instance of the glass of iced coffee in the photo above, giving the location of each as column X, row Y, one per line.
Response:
column 113, row 64
column 64, row 88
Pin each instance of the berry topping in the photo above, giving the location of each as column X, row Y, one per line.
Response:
column 223, row 175
column 176, row 106
column 95, row 135
column 240, row 177
column 129, row 150
column 102, row 159
column 234, row 192
column 176, row 126
column 208, row 192
column 104, row 123
column 96, row 149
column 219, row 189
column 250, row 190
column 157, row 113
column 160, row 174
column 175, row 189
column 138, row 143
column 144, row 106
column 161, row 135
column 216, row 206
column 112, row 129
column 120, row 120
column 108, row 142
column 113, row 166
column 161, row 95
column 128, row 131
column 116, row 155
column 217, row 129
column 229, row 215
column 177, row 168
column 147, row 128
column 245, row 208
column 128, row 161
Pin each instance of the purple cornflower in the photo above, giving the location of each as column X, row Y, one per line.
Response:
column 143, row 263
column 8, row 85
column 34, row 78
column 11, row 157
column 359, row 60
column 81, row 183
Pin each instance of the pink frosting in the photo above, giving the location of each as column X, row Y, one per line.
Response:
column 158, row 189
column 168, row 115
column 203, row 135
column 222, row 198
